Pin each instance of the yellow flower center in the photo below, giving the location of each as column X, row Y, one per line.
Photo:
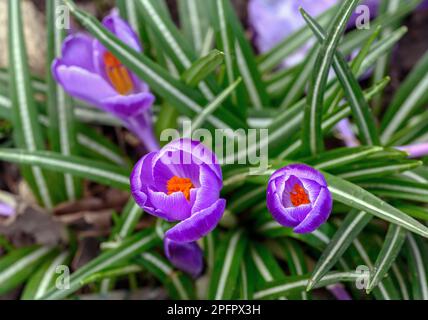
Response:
column 118, row 74
column 176, row 184
column 298, row 196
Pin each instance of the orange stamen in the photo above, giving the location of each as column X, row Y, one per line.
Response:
column 118, row 74
column 299, row 196
column 176, row 184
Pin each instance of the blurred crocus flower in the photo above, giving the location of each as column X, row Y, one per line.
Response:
column 181, row 183
column 339, row 292
column 417, row 150
column 298, row 197
column 7, row 205
column 88, row 71
column 274, row 20
column 344, row 129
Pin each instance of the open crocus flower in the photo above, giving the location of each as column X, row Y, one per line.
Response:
column 185, row 256
column 181, row 183
column 88, row 71
column 298, row 197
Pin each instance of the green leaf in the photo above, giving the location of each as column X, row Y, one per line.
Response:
column 340, row 157
column 291, row 285
column 28, row 132
column 292, row 43
column 417, row 251
column 312, row 136
column 353, row 92
column 342, row 239
column 386, row 289
column 62, row 130
column 226, row 43
column 202, row 67
column 172, row 40
column 194, row 22
column 397, row 188
column 179, row 285
column 245, row 60
column 131, row 247
column 199, row 120
column 45, row 277
column 226, row 268
column 391, row 248
column 19, row 264
column 88, row 169
column 91, row 143
column 410, row 96
column 358, row 198
column 129, row 219
column 296, row 261
column 364, row 171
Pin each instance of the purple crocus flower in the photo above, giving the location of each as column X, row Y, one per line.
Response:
column 181, row 183
column 88, row 71
column 274, row 20
column 298, row 197
column 415, row 150
column 186, row 256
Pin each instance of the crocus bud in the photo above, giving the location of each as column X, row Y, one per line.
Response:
column 186, row 256
column 298, row 197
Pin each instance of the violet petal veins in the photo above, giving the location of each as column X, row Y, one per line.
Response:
column 298, row 197
column 88, row 71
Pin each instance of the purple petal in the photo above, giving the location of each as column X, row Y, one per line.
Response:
column 198, row 151
column 82, row 84
column 319, row 213
column 277, row 209
column 174, row 206
column 141, row 177
column 187, row 257
column 415, row 150
column 208, row 192
column 77, row 51
column 129, row 105
column 339, row 292
column 199, row 224
column 300, row 171
column 122, row 30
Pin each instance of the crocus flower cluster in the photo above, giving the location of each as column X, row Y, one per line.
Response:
column 88, row 71
column 181, row 183
column 298, row 197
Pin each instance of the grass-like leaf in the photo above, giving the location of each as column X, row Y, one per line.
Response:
column 354, row 94
column 130, row 248
column 226, row 267
column 358, row 198
column 18, row 265
column 347, row 232
column 96, row 171
column 391, row 248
